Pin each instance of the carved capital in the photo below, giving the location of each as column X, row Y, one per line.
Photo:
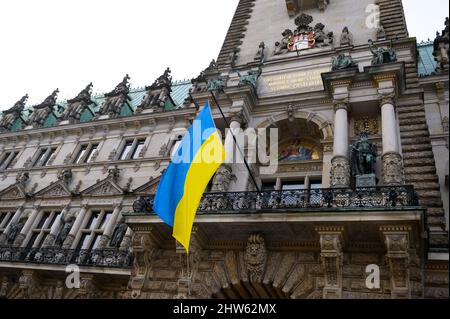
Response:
column 392, row 169
column 238, row 117
column 341, row 104
column 386, row 98
column 331, row 242
column 340, row 172
column 397, row 246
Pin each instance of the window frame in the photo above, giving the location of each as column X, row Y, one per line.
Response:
column 91, row 147
column 7, row 158
column 39, row 233
column 132, row 154
column 43, row 156
column 93, row 232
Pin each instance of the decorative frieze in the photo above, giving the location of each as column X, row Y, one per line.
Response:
column 340, row 172
column 392, row 169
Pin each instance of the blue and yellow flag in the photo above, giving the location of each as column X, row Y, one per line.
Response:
column 182, row 185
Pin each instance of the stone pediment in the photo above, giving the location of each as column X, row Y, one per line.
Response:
column 106, row 187
column 56, row 189
column 149, row 187
column 14, row 191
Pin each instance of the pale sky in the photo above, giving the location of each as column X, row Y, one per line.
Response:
column 65, row 44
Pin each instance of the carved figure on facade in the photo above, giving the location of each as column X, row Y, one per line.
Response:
column 381, row 32
column 346, row 38
column 65, row 176
column 114, row 173
column 77, row 105
column 118, row 234
column 382, row 55
column 441, row 48
column 256, row 258
column 116, row 98
column 340, row 172
column 22, row 179
column 9, row 116
column 282, row 46
column 67, row 223
column 43, row 110
column 4, row 287
column 364, row 156
column 260, row 54
column 143, row 205
column 251, row 78
column 222, row 179
column 342, row 62
column 217, row 84
column 232, row 57
column 15, row 229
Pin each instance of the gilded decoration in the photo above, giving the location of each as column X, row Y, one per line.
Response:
column 299, row 150
column 366, row 125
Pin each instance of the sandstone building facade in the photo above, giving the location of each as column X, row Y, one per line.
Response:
column 77, row 177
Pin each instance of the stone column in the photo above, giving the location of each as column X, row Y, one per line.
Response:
column 340, row 165
column 56, row 227
column 13, row 220
column 126, row 241
column 392, row 160
column 109, row 228
column 235, row 125
column 397, row 246
column 75, row 228
column 19, row 241
column 331, row 242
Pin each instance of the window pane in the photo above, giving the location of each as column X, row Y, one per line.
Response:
column 126, row 150
column 105, row 220
column 93, row 221
column 3, row 158
column 138, row 149
column 11, row 160
column 32, row 240
column 291, row 186
column 96, row 241
column 91, row 153
column 40, row 158
column 40, row 242
column 84, row 241
column 2, row 217
column 316, row 185
column 81, row 153
column 6, row 219
column 44, row 218
column 52, row 151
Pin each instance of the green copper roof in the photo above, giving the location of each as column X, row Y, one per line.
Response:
column 179, row 93
column 426, row 64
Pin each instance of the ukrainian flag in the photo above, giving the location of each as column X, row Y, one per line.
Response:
column 182, row 185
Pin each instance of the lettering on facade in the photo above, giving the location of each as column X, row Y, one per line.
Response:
column 299, row 81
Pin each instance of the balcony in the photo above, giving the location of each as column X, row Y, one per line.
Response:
column 108, row 258
column 336, row 199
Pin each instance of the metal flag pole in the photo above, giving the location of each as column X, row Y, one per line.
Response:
column 235, row 142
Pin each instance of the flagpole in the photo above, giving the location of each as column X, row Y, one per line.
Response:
column 235, row 142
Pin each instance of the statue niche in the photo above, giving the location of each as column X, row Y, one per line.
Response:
column 364, row 156
column 9, row 116
column 77, row 105
column 43, row 110
column 118, row 234
column 15, row 229
column 116, row 98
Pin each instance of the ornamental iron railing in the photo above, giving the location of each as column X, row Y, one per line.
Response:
column 109, row 258
column 389, row 197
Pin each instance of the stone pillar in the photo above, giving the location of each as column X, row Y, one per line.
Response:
column 340, row 164
column 13, row 220
column 235, row 125
column 75, row 228
column 234, row 162
column 397, row 246
column 126, row 241
column 331, row 241
column 56, row 227
column 19, row 241
column 109, row 228
column 392, row 160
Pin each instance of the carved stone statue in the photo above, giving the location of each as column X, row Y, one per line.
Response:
column 382, row 55
column 282, row 46
column 256, row 258
column 364, row 156
column 342, row 62
column 212, row 66
column 42, row 111
column 65, row 175
column 260, row 54
column 22, row 178
column 251, row 78
column 9, row 116
column 441, row 48
column 118, row 234
column 381, row 33
column 116, row 98
column 65, row 230
column 222, row 179
column 216, row 84
column 143, row 205
column 4, row 287
column 15, row 229
column 114, row 173
column 346, row 37
column 76, row 106
column 164, row 80
column 321, row 38
column 232, row 57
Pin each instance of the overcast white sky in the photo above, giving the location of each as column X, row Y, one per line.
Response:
column 47, row 44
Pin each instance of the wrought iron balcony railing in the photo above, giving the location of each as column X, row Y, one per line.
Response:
column 110, row 258
column 395, row 197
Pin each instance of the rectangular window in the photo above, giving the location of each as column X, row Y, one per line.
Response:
column 93, row 231
column 44, row 156
column 86, row 153
column 7, row 159
column 5, row 218
column 81, row 154
column 132, row 149
column 91, row 152
column 138, row 149
column 42, row 228
column 126, row 150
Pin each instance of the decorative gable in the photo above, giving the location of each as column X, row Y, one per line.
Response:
column 107, row 187
column 14, row 191
column 148, row 188
column 56, row 189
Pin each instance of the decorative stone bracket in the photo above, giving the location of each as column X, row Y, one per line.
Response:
column 331, row 242
column 397, row 245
